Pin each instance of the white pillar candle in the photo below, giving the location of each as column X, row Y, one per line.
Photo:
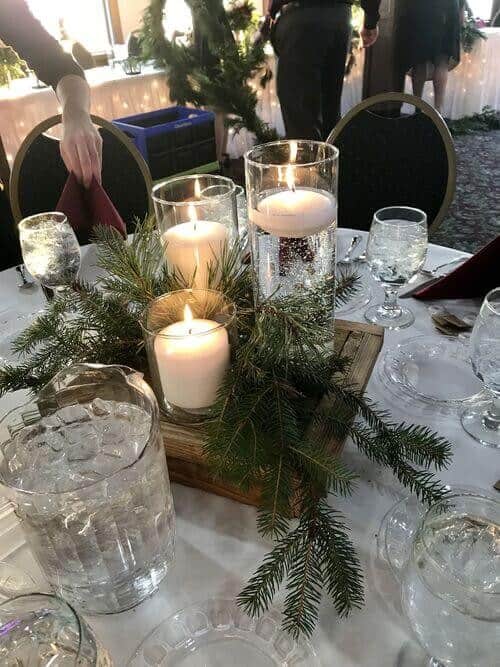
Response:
column 191, row 247
column 295, row 213
column 192, row 361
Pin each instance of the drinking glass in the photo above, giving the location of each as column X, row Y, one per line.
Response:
column 50, row 249
column 450, row 588
column 482, row 419
column 396, row 250
column 39, row 629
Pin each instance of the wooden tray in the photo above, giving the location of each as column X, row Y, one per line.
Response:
column 186, row 465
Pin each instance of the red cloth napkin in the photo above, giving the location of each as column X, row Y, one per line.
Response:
column 86, row 207
column 474, row 278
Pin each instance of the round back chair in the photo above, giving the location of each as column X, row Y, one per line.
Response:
column 39, row 174
column 388, row 158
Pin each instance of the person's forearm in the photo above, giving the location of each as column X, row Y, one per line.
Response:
column 74, row 94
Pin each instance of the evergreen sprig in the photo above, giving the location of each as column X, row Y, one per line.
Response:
column 212, row 69
column 283, row 402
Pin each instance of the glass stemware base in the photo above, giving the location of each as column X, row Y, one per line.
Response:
column 396, row 317
column 482, row 422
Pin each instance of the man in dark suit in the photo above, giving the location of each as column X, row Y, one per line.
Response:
column 311, row 39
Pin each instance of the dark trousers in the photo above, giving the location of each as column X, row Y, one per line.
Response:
column 312, row 45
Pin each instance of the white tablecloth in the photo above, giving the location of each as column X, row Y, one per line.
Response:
column 218, row 546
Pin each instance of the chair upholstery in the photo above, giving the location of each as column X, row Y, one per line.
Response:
column 388, row 158
column 39, row 174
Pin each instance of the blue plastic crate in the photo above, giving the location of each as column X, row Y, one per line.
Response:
column 172, row 140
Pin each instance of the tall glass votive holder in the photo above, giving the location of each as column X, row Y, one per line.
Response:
column 197, row 219
column 292, row 218
column 188, row 336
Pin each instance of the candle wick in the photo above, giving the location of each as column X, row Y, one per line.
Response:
column 190, row 331
column 293, row 187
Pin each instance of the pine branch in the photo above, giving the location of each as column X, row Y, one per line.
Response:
column 258, row 594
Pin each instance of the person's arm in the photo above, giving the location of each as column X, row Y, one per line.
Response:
column 81, row 144
column 369, row 33
column 21, row 30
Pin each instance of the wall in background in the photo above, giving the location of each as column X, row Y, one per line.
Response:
column 130, row 14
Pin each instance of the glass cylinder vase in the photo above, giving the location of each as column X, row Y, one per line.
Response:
column 198, row 221
column 292, row 215
column 85, row 466
column 188, row 336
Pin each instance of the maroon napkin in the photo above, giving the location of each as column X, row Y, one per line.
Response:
column 86, row 207
column 472, row 279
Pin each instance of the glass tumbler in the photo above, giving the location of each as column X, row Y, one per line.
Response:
column 43, row 630
column 198, row 221
column 451, row 586
column 292, row 219
column 85, row 466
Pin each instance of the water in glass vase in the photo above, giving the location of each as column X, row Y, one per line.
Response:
column 95, row 501
column 451, row 590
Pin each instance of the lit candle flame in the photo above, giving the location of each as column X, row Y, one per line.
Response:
column 290, row 177
column 188, row 316
column 293, row 151
column 197, row 189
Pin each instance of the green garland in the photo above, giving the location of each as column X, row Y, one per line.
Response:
column 213, row 70
column 269, row 426
column 486, row 121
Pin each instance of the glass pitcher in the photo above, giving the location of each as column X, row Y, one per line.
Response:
column 85, row 466
column 451, row 586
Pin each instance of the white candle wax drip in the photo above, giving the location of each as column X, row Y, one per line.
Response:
column 192, row 361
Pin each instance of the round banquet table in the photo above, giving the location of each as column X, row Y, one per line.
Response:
column 218, row 546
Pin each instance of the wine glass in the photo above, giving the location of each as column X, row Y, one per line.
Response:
column 396, row 250
column 50, row 249
column 450, row 588
column 481, row 420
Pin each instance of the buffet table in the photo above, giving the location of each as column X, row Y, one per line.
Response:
column 217, row 543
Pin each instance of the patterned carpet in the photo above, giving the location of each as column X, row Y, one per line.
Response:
column 474, row 216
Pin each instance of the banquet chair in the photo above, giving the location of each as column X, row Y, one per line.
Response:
column 39, row 174
column 390, row 158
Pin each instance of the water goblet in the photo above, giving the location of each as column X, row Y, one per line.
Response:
column 481, row 419
column 450, row 588
column 396, row 250
column 50, row 249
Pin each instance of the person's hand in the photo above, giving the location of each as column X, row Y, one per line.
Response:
column 369, row 36
column 81, row 146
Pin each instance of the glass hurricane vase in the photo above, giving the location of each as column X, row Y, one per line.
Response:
column 292, row 219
